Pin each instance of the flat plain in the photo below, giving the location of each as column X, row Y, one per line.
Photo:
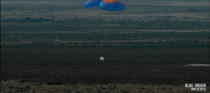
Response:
column 59, row 42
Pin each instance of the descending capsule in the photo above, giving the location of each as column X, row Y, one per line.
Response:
column 92, row 3
column 111, row 5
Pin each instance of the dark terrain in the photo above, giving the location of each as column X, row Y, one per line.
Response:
column 60, row 42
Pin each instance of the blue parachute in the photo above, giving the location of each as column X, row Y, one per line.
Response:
column 92, row 3
column 108, row 5
column 117, row 6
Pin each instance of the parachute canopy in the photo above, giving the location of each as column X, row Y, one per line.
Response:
column 92, row 3
column 109, row 5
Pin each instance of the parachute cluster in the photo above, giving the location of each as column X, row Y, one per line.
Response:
column 108, row 5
